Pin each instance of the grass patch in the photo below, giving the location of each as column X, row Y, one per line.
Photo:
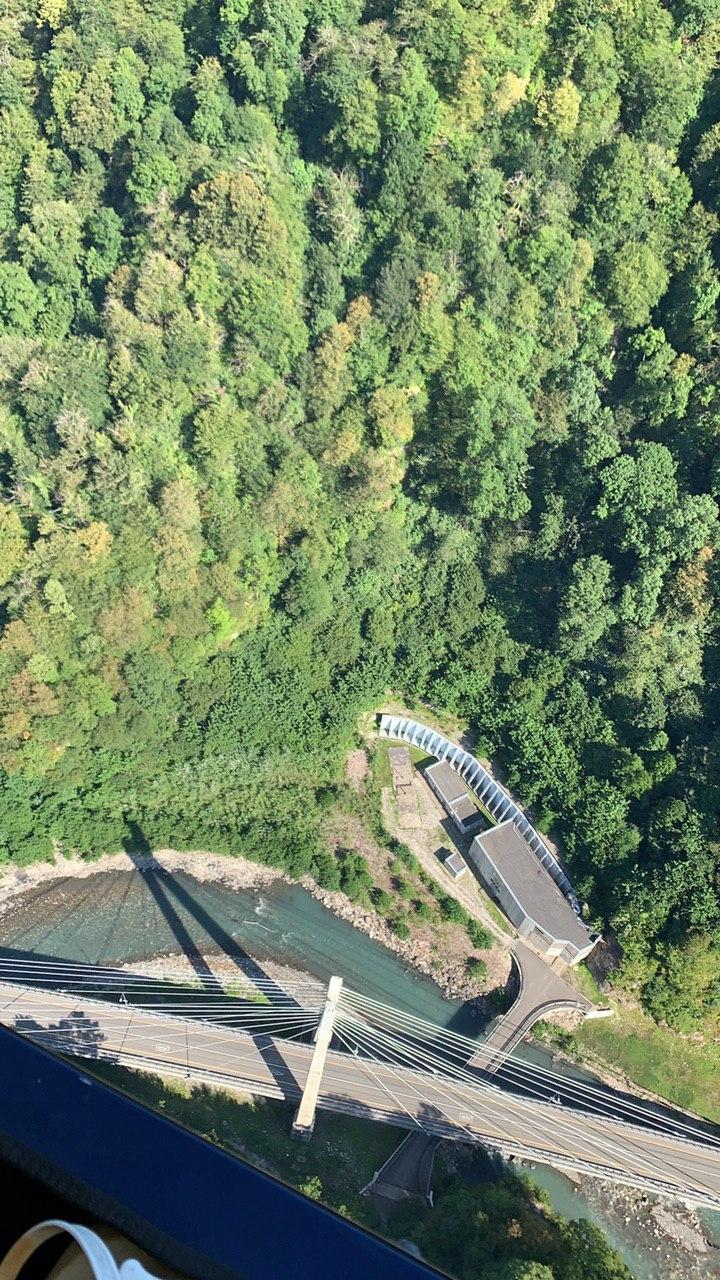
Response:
column 555, row 1038
column 657, row 1059
column 479, row 935
column 380, row 762
column 581, row 977
column 380, row 765
column 497, row 915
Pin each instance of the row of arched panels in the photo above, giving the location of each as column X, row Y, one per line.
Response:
column 488, row 791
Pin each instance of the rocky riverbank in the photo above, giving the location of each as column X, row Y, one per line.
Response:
column 226, row 970
column 239, row 873
column 236, row 873
column 451, row 978
column 671, row 1232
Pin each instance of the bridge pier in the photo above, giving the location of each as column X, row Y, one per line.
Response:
column 304, row 1121
column 609, row 1138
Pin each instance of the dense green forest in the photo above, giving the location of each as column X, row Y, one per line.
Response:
column 346, row 348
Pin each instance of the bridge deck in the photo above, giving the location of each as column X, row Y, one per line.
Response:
column 273, row 1067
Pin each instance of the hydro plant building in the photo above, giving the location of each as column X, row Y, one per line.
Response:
column 511, row 859
column 530, row 898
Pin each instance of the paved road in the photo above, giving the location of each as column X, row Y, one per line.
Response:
column 276, row 1068
column 542, row 991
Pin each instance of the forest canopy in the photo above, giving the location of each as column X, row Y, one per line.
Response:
column 347, row 348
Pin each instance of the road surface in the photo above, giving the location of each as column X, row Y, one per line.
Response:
column 542, row 990
column 267, row 1065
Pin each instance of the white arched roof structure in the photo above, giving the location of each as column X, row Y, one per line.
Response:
column 491, row 795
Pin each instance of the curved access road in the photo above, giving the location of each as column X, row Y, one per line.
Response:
column 542, row 991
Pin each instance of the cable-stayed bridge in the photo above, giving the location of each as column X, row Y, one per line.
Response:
column 345, row 1052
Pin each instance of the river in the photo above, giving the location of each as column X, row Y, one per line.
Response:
column 118, row 917
column 127, row 916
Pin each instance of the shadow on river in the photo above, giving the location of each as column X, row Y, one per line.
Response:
column 123, row 917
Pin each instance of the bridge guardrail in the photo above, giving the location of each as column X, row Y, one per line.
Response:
column 449, row 1128
column 520, row 1151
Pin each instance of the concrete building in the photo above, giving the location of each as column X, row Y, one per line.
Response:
column 491, row 795
column 528, row 894
column 454, row 796
column 454, row 863
column 512, row 859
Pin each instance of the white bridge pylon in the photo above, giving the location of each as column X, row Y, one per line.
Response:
column 304, row 1121
column 368, row 1059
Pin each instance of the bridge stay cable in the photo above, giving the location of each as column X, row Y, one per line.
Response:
column 528, row 1074
column 653, row 1167
column 72, row 974
column 517, row 1070
column 400, row 1045
column 444, row 1041
column 55, row 1035
column 467, row 1095
column 569, row 1125
column 510, row 1135
column 395, row 1067
column 365, row 1063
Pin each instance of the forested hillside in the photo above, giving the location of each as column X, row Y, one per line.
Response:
column 350, row 348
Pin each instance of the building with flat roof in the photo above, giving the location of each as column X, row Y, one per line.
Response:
column 454, row 863
column 528, row 894
column 454, row 796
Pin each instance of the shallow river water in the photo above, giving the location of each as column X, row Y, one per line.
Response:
column 128, row 916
